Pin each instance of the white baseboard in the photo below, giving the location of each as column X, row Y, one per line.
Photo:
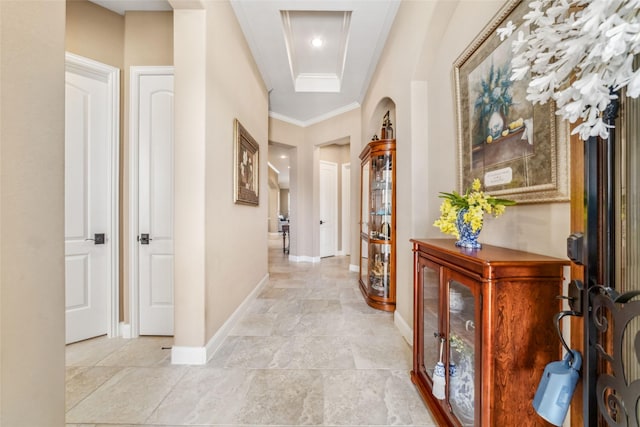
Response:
column 218, row 338
column 125, row 330
column 302, row 258
column 200, row 355
column 403, row 326
column 353, row 267
column 188, row 355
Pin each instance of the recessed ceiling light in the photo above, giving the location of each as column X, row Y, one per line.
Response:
column 317, row 42
column 283, row 157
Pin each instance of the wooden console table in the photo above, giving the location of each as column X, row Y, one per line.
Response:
column 491, row 310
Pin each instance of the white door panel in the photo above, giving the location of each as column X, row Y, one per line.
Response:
column 328, row 208
column 155, row 198
column 346, row 209
column 87, row 206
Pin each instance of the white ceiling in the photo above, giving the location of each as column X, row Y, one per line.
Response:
column 120, row 6
column 306, row 84
column 279, row 34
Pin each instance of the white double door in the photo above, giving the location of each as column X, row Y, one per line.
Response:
column 152, row 134
column 91, row 200
column 91, row 110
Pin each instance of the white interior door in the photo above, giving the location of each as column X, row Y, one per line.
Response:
column 90, row 197
column 346, row 209
column 328, row 208
column 155, row 201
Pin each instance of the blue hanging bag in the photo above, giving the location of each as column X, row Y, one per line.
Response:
column 556, row 388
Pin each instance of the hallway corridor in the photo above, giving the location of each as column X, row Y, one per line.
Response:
column 309, row 351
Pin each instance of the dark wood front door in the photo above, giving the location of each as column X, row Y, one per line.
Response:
column 606, row 212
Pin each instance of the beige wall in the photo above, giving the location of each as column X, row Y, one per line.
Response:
column 236, row 235
column 190, row 150
column 347, row 126
column 95, row 32
column 304, row 176
column 415, row 71
column 32, row 356
column 274, row 195
column 392, row 79
column 284, row 201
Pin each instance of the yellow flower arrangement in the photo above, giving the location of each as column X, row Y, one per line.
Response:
column 476, row 203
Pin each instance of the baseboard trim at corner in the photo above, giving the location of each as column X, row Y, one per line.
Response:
column 201, row 355
column 188, row 355
column 302, row 258
column 403, row 326
column 125, row 330
column 353, row 267
column 218, row 338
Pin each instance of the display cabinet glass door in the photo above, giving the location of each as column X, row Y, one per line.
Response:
column 381, row 197
column 364, row 259
column 430, row 283
column 364, row 220
column 364, row 224
column 380, row 271
column 462, row 352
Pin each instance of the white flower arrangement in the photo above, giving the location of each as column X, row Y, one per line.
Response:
column 579, row 53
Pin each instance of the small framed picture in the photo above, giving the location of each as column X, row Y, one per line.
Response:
column 246, row 167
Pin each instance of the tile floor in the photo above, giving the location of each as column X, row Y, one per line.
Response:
column 308, row 352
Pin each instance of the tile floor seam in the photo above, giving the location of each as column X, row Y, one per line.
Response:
column 186, row 371
column 95, row 389
column 98, row 363
column 375, row 391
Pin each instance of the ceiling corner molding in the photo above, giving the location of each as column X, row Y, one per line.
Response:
column 122, row 6
column 186, row 4
column 332, row 114
column 318, row 119
column 286, row 119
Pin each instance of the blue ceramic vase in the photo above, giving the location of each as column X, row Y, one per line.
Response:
column 468, row 237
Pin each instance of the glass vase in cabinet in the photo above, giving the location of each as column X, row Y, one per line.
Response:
column 377, row 224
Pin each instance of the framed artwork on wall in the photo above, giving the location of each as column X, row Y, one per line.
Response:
column 515, row 148
column 246, row 166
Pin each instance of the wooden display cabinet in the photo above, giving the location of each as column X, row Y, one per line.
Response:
column 378, row 224
column 492, row 311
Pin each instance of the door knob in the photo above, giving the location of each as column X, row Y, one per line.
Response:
column 98, row 239
column 144, row 239
column 321, row 222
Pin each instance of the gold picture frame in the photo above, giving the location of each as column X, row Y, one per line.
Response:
column 246, row 176
column 517, row 149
